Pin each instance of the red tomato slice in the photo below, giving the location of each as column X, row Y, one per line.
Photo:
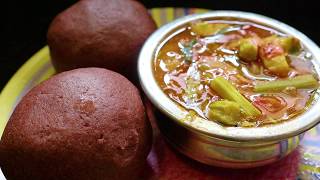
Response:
column 270, row 50
column 270, row 103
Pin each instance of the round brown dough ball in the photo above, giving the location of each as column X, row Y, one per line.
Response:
column 84, row 124
column 100, row 33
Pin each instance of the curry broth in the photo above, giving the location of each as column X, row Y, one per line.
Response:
column 187, row 63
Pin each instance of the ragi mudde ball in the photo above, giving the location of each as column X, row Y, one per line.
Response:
column 100, row 33
column 84, row 124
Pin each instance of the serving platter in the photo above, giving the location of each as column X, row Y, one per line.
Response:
column 163, row 162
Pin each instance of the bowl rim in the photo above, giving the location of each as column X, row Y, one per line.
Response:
column 276, row 132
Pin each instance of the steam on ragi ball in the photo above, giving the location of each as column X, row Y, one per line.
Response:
column 100, row 33
column 83, row 124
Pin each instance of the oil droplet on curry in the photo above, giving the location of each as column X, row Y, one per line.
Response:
column 236, row 73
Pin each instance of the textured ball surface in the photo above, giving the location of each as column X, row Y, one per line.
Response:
column 84, row 124
column 100, row 33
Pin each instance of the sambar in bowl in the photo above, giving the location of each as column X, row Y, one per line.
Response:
column 234, row 89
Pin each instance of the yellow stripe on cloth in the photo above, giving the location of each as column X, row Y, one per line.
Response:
column 309, row 168
column 156, row 14
column 169, row 15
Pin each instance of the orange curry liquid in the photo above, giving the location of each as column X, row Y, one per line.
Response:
column 186, row 63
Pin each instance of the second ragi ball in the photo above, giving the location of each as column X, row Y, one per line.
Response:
column 100, row 33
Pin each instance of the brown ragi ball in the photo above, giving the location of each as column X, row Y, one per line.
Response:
column 84, row 124
column 100, row 33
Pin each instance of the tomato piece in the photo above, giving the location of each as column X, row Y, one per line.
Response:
column 270, row 103
column 270, row 50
